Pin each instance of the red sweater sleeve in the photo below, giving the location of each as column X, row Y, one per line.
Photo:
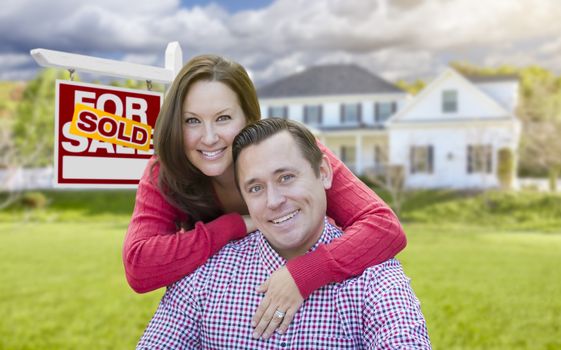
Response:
column 155, row 252
column 372, row 233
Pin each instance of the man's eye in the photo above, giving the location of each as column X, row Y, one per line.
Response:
column 192, row 121
column 254, row 189
column 285, row 178
column 223, row 118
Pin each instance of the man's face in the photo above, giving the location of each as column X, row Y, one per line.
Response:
column 285, row 198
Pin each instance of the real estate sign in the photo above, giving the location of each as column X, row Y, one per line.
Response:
column 103, row 134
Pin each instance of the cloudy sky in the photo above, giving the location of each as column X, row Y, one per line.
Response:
column 394, row 38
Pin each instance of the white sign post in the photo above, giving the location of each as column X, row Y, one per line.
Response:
column 97, row 128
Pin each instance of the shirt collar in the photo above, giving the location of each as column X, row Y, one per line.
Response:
column 272, row 260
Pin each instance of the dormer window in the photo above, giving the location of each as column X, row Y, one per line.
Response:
column 449, row 101
column 383, row 110
column 313, row 115
column 278, row 112
column 350, row 113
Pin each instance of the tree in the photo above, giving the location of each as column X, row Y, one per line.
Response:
column 390, row 178
column 542, row 148
column 412, row 88
column 33, row 129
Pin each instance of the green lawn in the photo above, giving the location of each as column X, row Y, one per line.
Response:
column 62, row 284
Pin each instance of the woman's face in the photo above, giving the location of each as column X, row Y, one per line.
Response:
column 212, row 117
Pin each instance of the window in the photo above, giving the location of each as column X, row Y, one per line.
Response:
column 351, row 113
column 313, row 115
column 278, row 112
column 421, row 158
column 479, row 159
column 449, row 101
column 348, row 154
column 383, row 110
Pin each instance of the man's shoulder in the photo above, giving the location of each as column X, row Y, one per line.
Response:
column 385, row 275
column 381, row 277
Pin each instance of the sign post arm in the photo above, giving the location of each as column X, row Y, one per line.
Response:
column 51, row 58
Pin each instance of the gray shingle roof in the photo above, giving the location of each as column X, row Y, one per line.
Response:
column 336, row 79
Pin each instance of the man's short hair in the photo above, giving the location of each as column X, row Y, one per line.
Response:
column 261, row 130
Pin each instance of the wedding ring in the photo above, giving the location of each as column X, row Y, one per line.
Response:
column 279, row 314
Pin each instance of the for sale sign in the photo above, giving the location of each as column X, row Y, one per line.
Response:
column 103, row 134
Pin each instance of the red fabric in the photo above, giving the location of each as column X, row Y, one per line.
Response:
column 156, row 254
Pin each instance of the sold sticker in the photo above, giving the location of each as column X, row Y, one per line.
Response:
column 102, row 126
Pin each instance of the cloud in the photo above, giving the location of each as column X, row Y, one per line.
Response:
column 397, row 38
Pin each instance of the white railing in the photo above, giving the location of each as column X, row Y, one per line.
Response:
column 26, row 179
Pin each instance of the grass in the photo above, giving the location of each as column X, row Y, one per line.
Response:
column 63, row 287
column 62, row 284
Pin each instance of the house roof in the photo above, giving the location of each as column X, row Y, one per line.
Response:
column 335, row 79
column 468, row 83
column 491, row 79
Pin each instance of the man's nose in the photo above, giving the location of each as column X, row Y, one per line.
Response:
column 275, row 198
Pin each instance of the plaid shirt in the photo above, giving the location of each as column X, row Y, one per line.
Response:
column 212, row 308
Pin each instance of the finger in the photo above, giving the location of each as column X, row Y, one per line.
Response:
column 275, row 321
column 263, row 287
column 263, row 306
column 265, row 320
column 287, row 320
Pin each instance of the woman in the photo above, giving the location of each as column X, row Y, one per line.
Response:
column 188, row 206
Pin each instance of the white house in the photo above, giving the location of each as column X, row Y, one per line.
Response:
column 449, row 135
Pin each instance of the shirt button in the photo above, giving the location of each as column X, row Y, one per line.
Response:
column 283, row 344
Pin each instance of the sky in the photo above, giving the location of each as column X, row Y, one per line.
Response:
column 396, row 39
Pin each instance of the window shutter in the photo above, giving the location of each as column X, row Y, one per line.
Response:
column 469, row 159
column 359, row 111
column 412, row 159
column 285, row 112
column 489, row 157
column 376, row 112
column 320, row 114
column 394, row 107
column 342, row 114
column 431, row 159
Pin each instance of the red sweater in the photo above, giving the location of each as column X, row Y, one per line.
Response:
column 156, row 253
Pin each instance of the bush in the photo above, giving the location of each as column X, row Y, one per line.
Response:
column 505, row 170
column 34, row 200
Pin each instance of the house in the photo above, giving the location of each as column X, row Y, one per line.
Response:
column 452, row 134
column 449, row 135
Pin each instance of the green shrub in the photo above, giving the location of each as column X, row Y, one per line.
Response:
column 505, row 169
column 34, row 200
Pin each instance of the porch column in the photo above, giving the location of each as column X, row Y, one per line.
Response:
column 358, row 154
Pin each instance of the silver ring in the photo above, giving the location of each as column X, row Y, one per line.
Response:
column 279, row 314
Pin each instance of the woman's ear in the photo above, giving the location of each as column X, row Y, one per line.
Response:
column 325, row 172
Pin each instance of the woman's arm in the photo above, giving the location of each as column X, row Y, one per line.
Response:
column 155, row 252
column 372, row 233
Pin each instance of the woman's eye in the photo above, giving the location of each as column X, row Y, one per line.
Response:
column 254, row 189
column 223, row 118
column 191, row 121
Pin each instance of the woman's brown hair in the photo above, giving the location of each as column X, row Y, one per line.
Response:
column 180, row 181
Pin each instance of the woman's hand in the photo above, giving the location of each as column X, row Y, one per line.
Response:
column 282, row 294
column 250, row 226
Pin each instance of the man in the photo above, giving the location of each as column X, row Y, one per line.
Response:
column 282, row 176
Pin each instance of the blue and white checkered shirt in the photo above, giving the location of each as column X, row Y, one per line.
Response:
column 212, row 308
